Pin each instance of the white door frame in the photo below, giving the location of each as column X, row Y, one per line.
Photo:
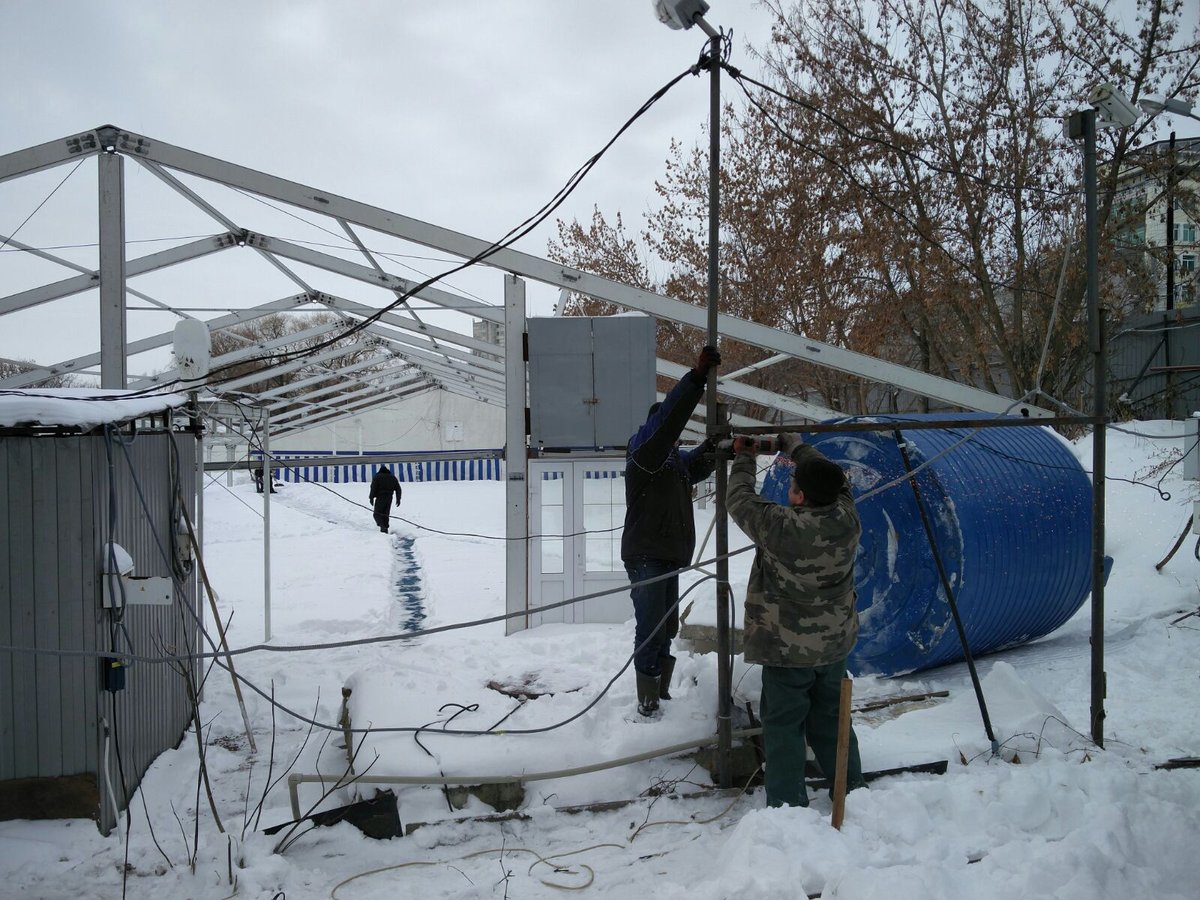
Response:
column 575, row 517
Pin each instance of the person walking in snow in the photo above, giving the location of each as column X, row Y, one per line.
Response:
column 800, row 617
column 383, row 486
column 660, row 530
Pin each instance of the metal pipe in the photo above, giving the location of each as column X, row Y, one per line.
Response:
column 1170, row 304
column 296, row 779
column 713, row 417
column 1096, row 342
column 268, row 488
column 877, row 424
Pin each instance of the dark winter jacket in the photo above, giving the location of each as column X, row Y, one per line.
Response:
column 659, row 478
column 383, row 486
column 800, row 599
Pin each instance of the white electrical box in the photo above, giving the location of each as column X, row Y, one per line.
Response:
column 153, row 590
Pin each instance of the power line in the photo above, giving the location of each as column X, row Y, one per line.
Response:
column 25, row 221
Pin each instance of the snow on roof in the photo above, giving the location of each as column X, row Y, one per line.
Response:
column 83, row 408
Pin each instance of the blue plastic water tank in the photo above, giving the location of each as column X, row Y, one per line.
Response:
column 1010, row 508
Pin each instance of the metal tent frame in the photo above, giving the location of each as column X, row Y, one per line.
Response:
column 412, row 355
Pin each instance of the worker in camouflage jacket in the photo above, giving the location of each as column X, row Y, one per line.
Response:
column 801, row 621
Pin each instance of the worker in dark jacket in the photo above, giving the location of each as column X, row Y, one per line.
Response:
column 383, row 486
column 660, row 531
column 801, row 622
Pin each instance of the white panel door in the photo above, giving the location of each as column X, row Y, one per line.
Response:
column 551, row 560
column 600, row 502
column 576, row 513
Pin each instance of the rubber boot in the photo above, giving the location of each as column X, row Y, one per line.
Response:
column 666, row 665
column 647, row 692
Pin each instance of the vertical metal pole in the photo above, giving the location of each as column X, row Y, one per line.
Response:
column 1171, row 226
column 198, row 529
column 1100, row 405
column 713, row 421
column 516, row 457
column 1170, row 304
column 265, row 424
column 111, row 178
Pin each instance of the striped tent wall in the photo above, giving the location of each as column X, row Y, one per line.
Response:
column 482, row 468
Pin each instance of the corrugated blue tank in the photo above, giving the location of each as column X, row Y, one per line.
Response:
column 1010, row 509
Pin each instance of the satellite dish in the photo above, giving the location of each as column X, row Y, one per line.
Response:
column 192, row 349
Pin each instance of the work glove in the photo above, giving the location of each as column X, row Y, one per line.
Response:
column 744, row 444
column 788, row 441
column 709, row 358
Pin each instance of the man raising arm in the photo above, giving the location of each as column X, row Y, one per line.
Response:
column 800, row 621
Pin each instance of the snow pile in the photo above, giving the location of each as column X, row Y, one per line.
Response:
column 1051, row 816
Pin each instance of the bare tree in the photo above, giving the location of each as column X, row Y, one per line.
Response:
column 281, row 325
column 11, row 367
column 899, row 184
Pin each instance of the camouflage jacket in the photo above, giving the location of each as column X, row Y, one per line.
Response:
column 800, row 600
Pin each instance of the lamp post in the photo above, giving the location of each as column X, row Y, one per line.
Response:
column 1109, row 108
column 1153, row 105
column 683, row 14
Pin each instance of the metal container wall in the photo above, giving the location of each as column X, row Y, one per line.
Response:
column 1010, row 511
column 56, row 495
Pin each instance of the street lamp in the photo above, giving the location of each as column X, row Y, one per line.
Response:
column 1152, row 105
column 681, row 15
column 1109, row 109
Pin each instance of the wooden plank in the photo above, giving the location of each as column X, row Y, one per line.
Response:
column 843, row 752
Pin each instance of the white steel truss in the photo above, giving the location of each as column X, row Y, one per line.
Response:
column 439, row 358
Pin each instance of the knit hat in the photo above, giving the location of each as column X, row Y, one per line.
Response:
column 820, row 480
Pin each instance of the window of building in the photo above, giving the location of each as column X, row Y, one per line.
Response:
column 1186, row 264
column 1185, row 233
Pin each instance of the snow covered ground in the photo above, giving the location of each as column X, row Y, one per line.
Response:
column 1052, row 816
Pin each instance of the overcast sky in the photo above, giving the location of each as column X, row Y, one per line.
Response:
column 466, row 114
column 463, row 113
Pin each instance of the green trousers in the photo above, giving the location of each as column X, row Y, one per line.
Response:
column 799, row 703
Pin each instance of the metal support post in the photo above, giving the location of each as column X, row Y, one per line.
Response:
column 1099, row 409
column 111, row 179
column 713, row 419
column 516, row 457
column 1170, row 301
column 265, row 425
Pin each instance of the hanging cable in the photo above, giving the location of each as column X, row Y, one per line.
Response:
column 25, row 221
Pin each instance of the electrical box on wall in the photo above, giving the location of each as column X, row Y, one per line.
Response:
column 134, row 591
column 591, row 380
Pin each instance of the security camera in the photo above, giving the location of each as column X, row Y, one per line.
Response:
column 1113, row 106
column 679, row 14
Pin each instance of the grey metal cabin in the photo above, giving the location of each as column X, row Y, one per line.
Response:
column 83, row 709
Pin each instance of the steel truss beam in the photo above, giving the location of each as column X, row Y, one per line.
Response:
column 454, row 360
column 547, row 272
